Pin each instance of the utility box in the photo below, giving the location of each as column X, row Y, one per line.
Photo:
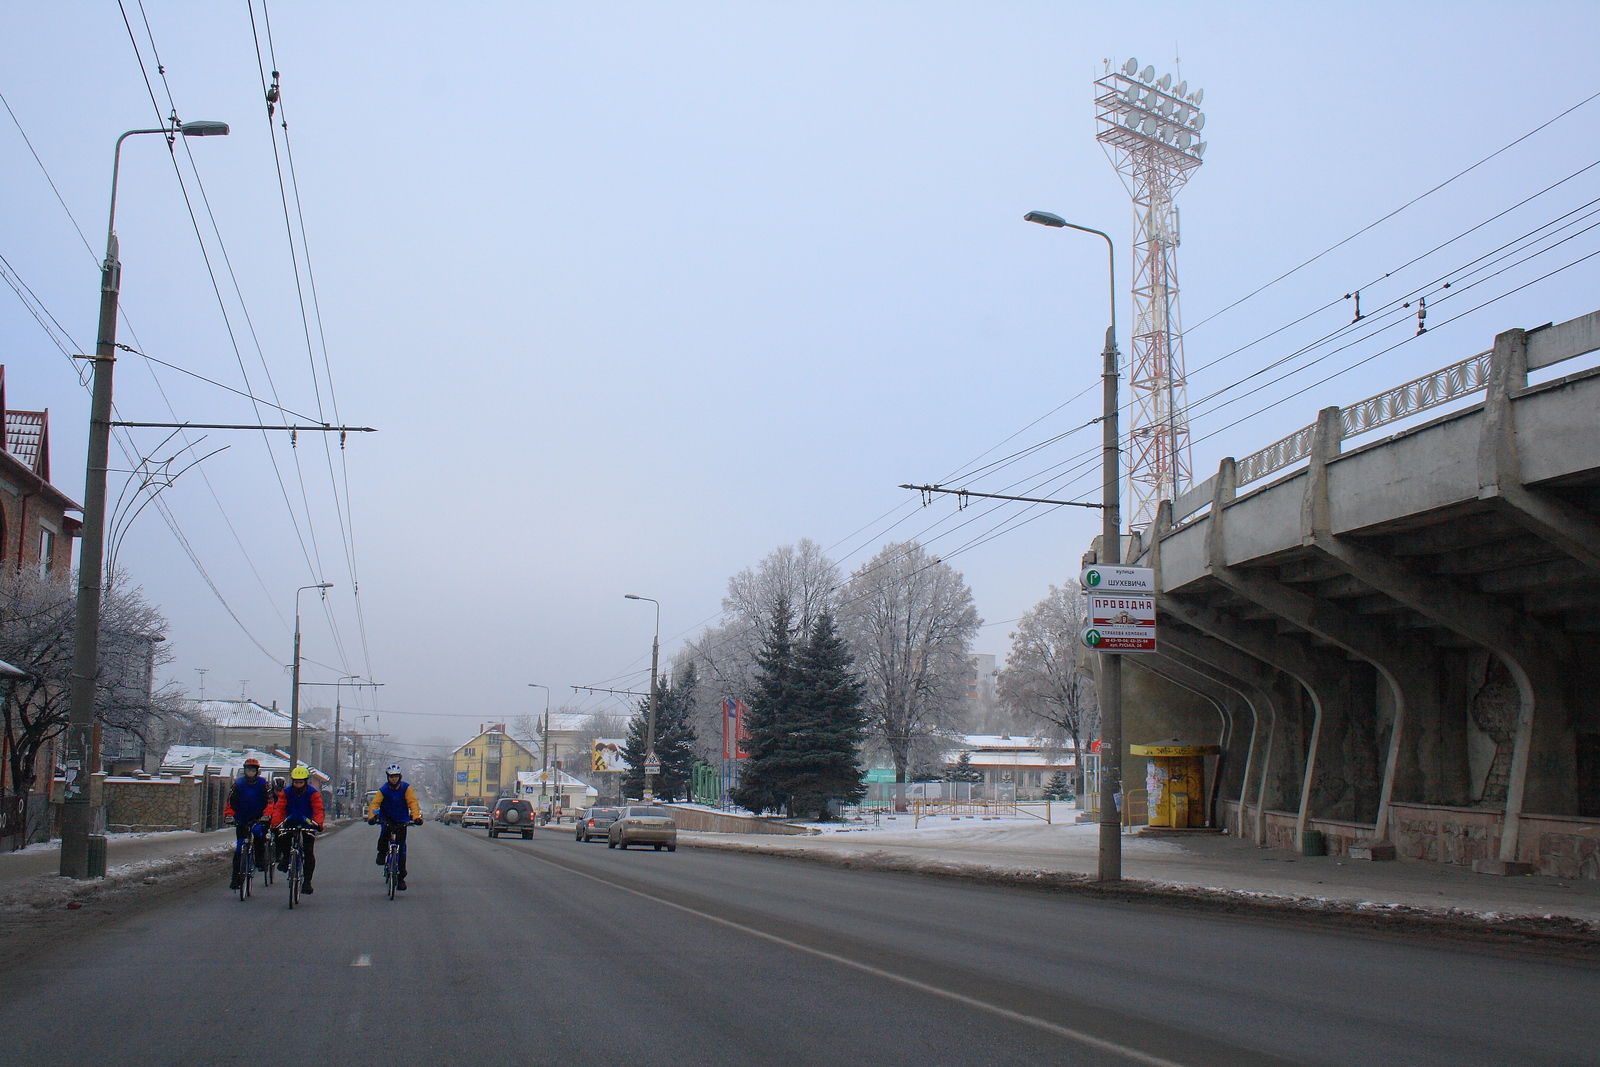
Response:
column 1175, row 782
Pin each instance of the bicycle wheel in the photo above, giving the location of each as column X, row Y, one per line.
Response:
column 294, row 876
column 266, row 872
column 391, row 872
column 249, row 866
column 239, row 855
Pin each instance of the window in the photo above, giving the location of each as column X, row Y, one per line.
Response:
column 47, row 550
column 470, row 753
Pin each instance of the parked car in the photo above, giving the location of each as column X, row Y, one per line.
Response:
column 511, row 817
column 642, row 825
column 594, row 822
column 475, row 815
column 451, row 816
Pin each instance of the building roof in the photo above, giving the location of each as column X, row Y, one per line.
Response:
column 1006, row 743
column 248, row 715
column 567, row 722
column 528, row 782
column 495, row 732
column 189, row 759
column 25, row 448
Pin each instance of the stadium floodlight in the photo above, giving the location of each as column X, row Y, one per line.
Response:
column 1181, row 89
column 1166, row 80
column 1199, row 122
column 1184, row 139
column 1199, row 95
column 1148, row 127
column 1130, row 67
column 1148, row 74
column 1200, row 149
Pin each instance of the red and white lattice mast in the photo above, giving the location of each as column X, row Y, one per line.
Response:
column 1151, row 131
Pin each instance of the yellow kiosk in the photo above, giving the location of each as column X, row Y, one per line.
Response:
column 1175, row 781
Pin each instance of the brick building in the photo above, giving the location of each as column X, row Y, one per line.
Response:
column 35, row 527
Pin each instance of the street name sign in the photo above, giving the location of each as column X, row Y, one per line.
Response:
column 1121, row 623
column 1118, row 579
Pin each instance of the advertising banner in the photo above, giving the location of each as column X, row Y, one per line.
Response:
column 733, row 732
column 1121, row 623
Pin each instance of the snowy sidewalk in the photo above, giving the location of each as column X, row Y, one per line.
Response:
column 121, row 849
column 1203, row 862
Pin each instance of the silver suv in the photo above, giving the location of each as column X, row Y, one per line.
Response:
column 511, row 817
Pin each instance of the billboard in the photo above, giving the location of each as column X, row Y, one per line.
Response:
column 733, row 732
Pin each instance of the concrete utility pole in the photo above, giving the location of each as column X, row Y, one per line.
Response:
column 294, row 685
column 650, row 738
column 1110, row 555
column 77, row 817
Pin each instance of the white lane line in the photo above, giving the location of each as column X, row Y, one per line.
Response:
column 960, row 998
column 362, row 960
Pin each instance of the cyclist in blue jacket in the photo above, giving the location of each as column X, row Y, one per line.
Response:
column 396, row 804
column 247, row 805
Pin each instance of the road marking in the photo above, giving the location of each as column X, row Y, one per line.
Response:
column 362, row 960
column 960, row 998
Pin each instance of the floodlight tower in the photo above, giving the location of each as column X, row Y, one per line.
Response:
column 1150, row 129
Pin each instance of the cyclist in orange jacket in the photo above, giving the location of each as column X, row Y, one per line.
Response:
column 299, row 805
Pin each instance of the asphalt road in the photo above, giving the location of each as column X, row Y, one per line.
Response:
column 551, row 952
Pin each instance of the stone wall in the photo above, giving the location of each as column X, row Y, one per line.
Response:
column 153, row 804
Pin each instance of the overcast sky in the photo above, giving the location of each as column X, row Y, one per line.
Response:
column 635, row 293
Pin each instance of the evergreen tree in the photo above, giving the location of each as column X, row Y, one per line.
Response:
column 963, row 770
column 806, row 723
column 833, row 722
column 1059, row 785
column 762, row 782
column 674, row 739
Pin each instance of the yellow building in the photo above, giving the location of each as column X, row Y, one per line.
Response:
column 487, row 766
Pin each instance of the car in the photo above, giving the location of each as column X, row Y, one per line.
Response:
column 511, row 817
column 452, row 814
column 475, row 815
column 594, row 822
column 644, row 825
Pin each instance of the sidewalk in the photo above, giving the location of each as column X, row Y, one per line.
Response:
column 121, row 849
column 1209, row 862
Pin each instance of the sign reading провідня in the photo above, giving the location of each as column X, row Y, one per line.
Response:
column 1120, row 622
column 1110, row 579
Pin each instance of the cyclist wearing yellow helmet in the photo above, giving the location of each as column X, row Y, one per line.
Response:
column 299, row 805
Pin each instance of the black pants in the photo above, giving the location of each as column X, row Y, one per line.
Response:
column 240, row 831
column 399, row 831
column 308, row 852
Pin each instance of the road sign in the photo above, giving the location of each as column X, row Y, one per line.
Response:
column 1118, row 579
column 652, row 764
column 1119, row 639
column 1119, row 623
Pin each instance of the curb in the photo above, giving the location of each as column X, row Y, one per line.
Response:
column 1552, row 931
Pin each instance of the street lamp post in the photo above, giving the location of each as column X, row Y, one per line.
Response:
column 544, row 740
column 294, row 685
column 650, row 721
column 77, row 819
column 1110, row 555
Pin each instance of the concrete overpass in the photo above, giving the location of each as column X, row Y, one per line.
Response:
column 1394, row 642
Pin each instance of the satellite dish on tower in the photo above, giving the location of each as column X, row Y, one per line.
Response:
column 1147, row 74
column 1130, row 66
column 1166, row 80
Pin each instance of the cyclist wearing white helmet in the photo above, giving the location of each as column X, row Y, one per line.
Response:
column 396, row 804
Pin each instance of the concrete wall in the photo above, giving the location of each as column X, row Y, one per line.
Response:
column 719, row 822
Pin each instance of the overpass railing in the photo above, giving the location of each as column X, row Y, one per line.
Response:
column 1546, row 345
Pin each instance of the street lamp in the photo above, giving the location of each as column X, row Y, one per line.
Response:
column 1110, row 555
column 650, row 722
column 294, row 686
column 544, row 741
column 77, row 819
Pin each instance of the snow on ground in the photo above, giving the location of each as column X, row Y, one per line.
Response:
column 55, row 844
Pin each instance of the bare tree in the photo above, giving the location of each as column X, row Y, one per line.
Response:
column 1043, row 678
column 725, row 656
column 910, row 622
column 36, row 635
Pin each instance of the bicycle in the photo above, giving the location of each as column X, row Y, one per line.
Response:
column 391, row 863
column 244, row 863
column 269, row 849
column 296, row 863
